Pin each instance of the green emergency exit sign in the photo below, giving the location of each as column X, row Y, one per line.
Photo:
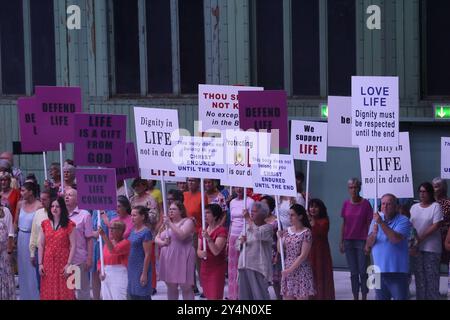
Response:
column 442, row 111
column 324, row 111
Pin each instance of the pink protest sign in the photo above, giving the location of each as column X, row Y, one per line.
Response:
column 30, row 131
column 56, row 112
column 96, row 189
column 131, row 170
column 100, row 140
column 265, row 111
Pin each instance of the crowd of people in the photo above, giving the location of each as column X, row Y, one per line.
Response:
column 54, row 248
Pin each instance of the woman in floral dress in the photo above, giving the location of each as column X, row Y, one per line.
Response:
column 7, row 286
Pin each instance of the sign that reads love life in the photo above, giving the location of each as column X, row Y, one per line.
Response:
column 199, row 157
column 394, row 169
column 30, row 131
column 100, row 140
column 340, row 122
column 156, row 130
column 445, row 158
column 131, row 169
column 275, row 175
column 375, row 111
column 218, row 106
column 96, row 189
column 56, row 112
column 309, row 140
column 265, row 111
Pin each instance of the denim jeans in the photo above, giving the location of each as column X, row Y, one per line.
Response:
column 133, row 297
column 357, row 263
column 393, row 286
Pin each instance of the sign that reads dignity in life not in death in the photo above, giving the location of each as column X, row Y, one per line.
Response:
column 155, row 131
column 340, row 122
column 96, row 189
column 309, row 140
column 375, row 111
column 218, row 106
column 275, row 175
column 394, row 169
column 445, row 158
column 199, row 157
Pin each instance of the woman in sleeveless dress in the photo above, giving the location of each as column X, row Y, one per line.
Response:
column 7, row 285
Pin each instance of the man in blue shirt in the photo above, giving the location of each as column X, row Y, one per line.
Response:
column 388, row 240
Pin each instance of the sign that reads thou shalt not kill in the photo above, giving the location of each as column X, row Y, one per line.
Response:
column 218, row 106
column 394, row 169
column 56, row 112
column 199, row 157
column 340, row 122
column 445, row 158
column 131, row 169
column 375, row 111
column 265, row 111
column 275, row 175
column 100, row 140
column 96, row 189
column 309, row 140
column 155, row 131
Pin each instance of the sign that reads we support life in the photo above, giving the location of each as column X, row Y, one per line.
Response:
column 199, row 157
column 218, row 106
column 131, row 169
column 155, row 132
column 309, row 140
column 375, row 111
column 340, row 122
column 445, row 158
column 394, row 169
column 100, row 140
column 275, row 175
column 96, row 189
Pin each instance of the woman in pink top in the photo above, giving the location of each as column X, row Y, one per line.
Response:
column 357, row 215
column 123, row 215
column 115, row 257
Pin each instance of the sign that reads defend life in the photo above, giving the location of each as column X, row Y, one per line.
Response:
column 340, row 122
column 96, row 189
column 394, row 169
column 275, row 175
column 309, row 140
column 219, row 106
column 445, row 158
column 375, row 111
column 155, row 129
column 100, row 140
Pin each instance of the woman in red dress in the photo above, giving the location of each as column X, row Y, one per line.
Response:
column 56, row 251
column 212, row 270
column 320, row 255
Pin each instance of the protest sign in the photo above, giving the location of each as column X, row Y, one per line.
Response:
column 218, row 106
column 309, row 140
column 340, row 122
column 394, row 169
column 375, row 111
column 131, row 169
column 275, row 175
column 155, row 174
column 265, row 111
column 100, row 140
column 96, row 189
column 445, row 158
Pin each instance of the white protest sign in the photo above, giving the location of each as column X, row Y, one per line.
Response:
column 375, row 111
column 218, row 106
column 199, row 157
column 241, row 150
column 340, row 122
column 275, row 175
column 155, row 132
column 309, row 140
column 445, row 158
column 154, row 174
column 394, row 169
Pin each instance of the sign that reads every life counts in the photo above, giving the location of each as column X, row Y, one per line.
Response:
column 375, row 111
column 218, row 106
column 309, row 140
column 100, row 140
column 96, row 189
column 275, row 175
column 445, row 158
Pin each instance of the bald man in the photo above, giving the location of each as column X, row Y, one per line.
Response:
column 16, row 172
